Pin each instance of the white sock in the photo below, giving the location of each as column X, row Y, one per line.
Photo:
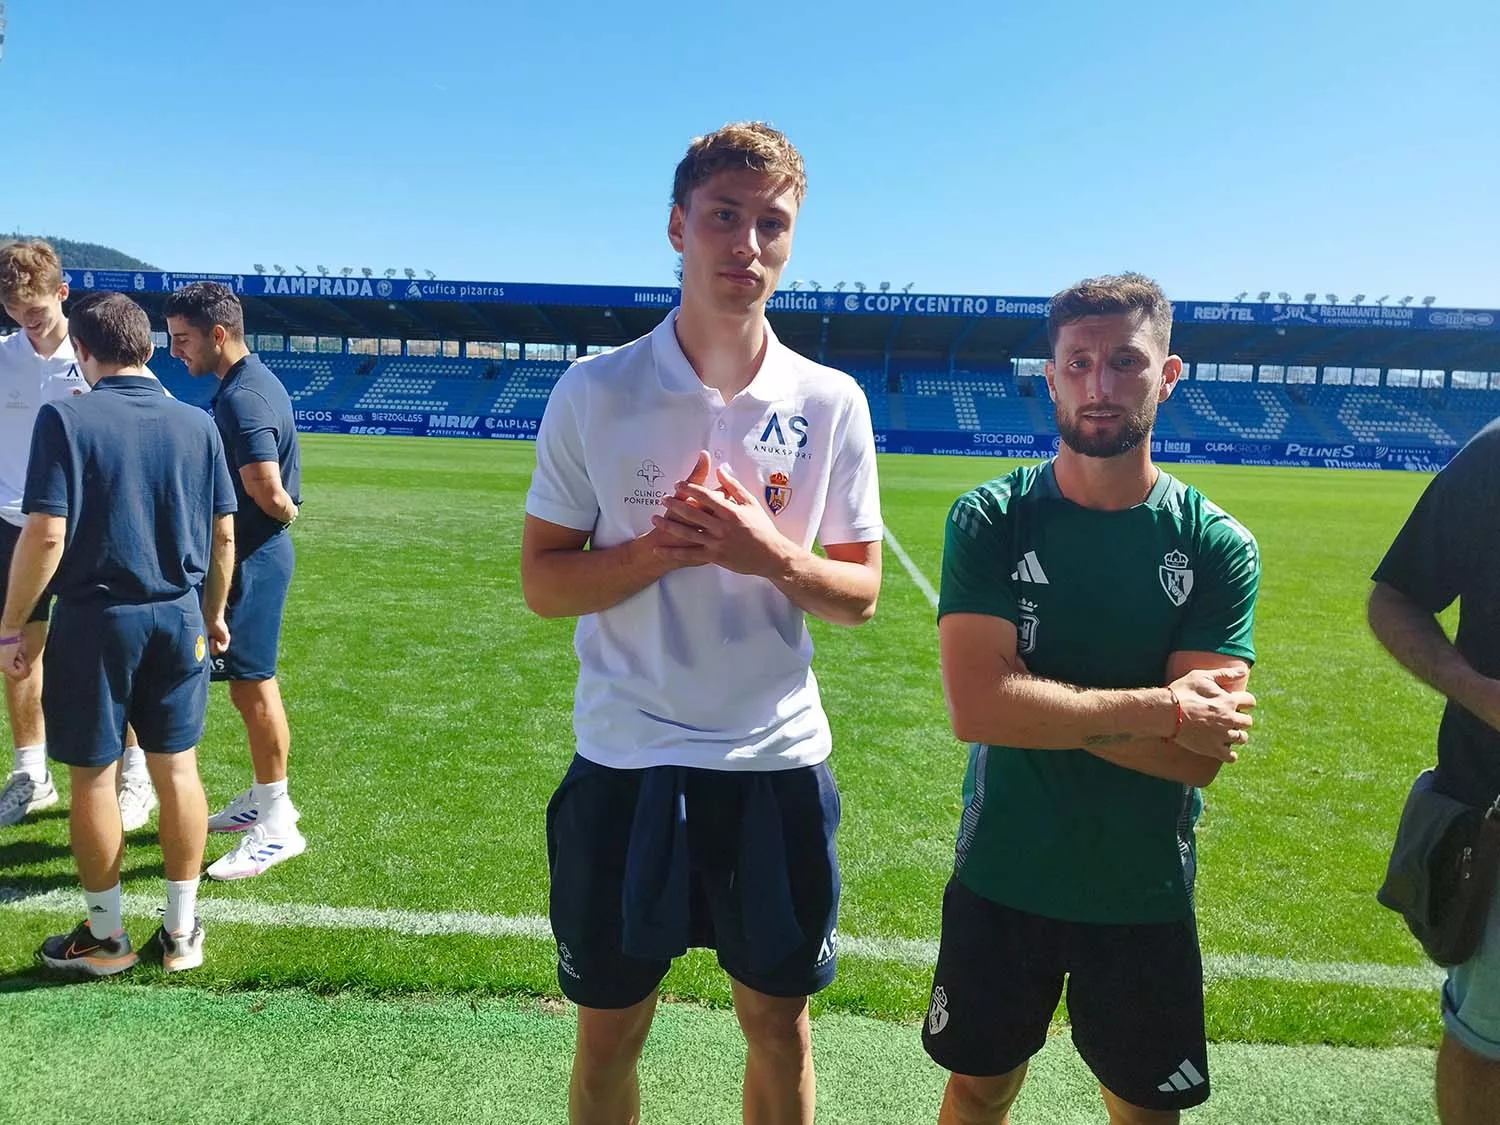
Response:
column 32, row 761
column 104, row 912
column 182, row 906
column 133, row 765
column 272, row 801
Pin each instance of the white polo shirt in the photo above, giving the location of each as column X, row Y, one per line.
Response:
column 705, row 667
column 26, row 382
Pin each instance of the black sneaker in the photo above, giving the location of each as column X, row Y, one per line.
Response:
column 81, row 952
column 177, row 952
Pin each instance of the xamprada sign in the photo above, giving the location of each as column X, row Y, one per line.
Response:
column 959, row 306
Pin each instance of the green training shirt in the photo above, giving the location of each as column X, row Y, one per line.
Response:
column 1099, row 599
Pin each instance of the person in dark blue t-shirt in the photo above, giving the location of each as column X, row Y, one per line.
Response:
column 129, row 518
column 254, row 416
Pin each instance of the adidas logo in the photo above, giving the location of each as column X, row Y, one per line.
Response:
column 1185, row 1077
column 1029, row 569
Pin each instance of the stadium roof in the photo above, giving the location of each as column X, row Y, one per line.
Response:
column 906, row 329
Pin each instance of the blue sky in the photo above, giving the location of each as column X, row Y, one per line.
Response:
column 986, row 147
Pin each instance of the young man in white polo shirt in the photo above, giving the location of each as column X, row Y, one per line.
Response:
column 681, row 481
column 37, row 366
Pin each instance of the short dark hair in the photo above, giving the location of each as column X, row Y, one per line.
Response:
column 1106, row 296
column 204, row 304
column 115, row 330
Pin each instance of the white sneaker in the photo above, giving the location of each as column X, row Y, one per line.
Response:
column 23, row 795
column 261, row 849
column 236, row 816
column 137, row 799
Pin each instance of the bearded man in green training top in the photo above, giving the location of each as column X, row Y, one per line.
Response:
column 1095, row 631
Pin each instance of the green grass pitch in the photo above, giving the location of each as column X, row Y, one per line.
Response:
column 430, row 715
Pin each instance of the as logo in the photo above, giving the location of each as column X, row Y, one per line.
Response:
column 829, row 948
column 199, row 648
column 778, row 495
column 1027, row 627
column 650, row 472
column 796, row 424
column 1176, row 578
column 937, row 1013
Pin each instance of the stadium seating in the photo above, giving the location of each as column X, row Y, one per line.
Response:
column 957, row 401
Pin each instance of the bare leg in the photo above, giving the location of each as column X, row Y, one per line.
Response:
column 259, row 704
column 604, row 1089
column 980, row 1101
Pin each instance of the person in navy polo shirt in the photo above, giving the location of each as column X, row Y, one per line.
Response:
column 254, row 416
column 129, row 510
column 681, row 482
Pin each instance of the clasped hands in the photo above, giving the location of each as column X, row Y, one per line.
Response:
column 722, row 524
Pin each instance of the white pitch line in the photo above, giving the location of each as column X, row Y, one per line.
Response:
column 533, row 927
column 911, row 568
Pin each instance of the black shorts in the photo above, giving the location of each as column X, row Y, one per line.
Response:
column 1135, row 998
column 10, row 535
column 589, row 828
column 257, row 597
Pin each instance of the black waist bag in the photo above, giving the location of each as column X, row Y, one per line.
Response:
column 1442, row 873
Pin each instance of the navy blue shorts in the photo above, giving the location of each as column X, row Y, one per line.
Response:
column 589, row 828
column 10, row 535
column 257, row 596
column 108, row 665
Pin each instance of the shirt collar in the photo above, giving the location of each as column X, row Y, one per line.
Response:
column 771, row 382
column 143, row 382
column 1047, row 485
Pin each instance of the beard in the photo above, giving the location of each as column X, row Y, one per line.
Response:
column 1135, row 427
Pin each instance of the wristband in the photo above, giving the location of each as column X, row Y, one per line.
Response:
column 17, row 639
column 1177, row 703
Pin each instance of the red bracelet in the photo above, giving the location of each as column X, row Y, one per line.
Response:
column 1177, row 703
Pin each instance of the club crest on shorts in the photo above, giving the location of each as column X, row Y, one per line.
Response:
column 937, row 1013
column 1026, row 628
column 199, row 649
column 1176, row 577
column 778, row 495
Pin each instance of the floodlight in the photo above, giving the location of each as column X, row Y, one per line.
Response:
column 302, row 271
column 323, row 270
column 1309, row 298
column 816, row 286
column 796, row 285
column 860, row 285
column 1240, row 296
column 1405, row 301
column 1284, row 297
column 1359, row 298
column 838, row 287
column 1428, row 301
column 367, row 271
column 390, row 272
column 1332, row 298
column 1382, row 300
column 907, row 287
column 430, row 274
column 1265, row 295
column 885, row 286
column 409, row 272
column 259, row 268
